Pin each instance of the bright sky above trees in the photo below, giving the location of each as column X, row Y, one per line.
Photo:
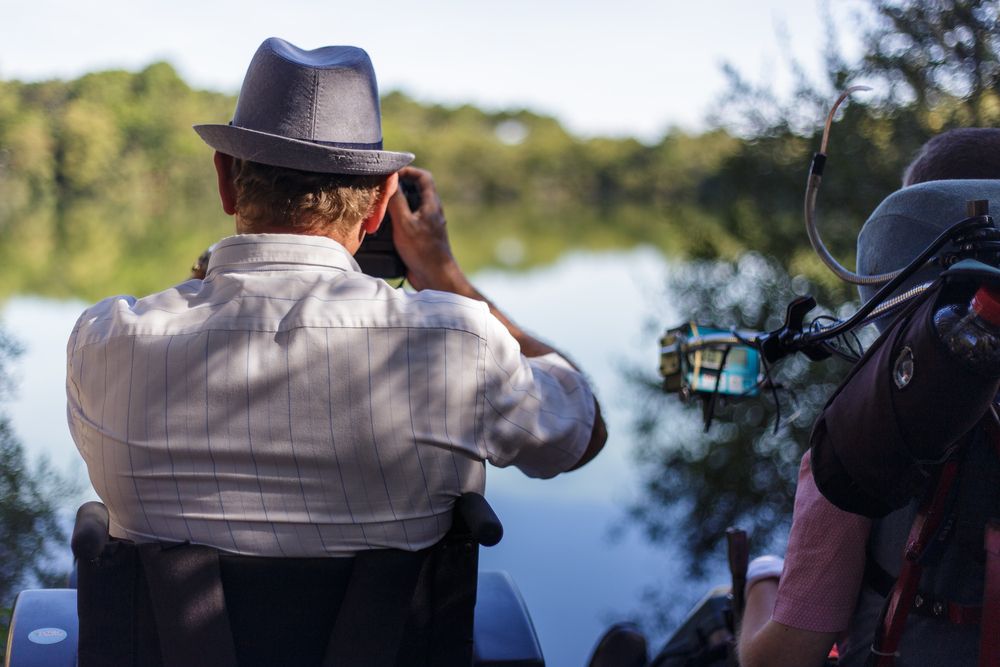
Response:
column 630, row 67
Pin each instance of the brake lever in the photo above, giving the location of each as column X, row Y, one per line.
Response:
column 788, row 339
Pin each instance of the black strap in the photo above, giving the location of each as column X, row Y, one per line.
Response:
column 451, row 608
column 373, row 615
column 108, row 592
column 876, row 577
column 185, row 589
column 924, row 604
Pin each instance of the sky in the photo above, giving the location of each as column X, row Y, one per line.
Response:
column 614, row 67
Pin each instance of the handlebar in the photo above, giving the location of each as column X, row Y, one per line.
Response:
column 695, row 359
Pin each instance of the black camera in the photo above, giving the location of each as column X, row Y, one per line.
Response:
column 377, row 255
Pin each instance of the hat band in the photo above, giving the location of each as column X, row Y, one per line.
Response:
column 376, row 146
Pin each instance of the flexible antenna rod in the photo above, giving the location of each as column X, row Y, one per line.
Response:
column 812, row 191
column 833, row 112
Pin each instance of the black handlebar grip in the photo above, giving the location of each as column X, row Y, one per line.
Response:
column 479, row 518
column 90, row 533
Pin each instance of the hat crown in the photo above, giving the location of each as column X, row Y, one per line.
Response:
column 327, row 95
column 309, row 110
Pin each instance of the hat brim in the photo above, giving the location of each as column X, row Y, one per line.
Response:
column 281, row 151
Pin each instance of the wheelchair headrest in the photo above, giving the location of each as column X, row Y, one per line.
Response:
column 908, row 220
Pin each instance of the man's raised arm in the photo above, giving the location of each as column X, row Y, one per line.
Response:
column 421, row 238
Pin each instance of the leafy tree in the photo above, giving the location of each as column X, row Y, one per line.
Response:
column 938, row 54
column 933, row 65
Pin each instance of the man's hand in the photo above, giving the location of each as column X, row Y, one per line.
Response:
column 421, row 237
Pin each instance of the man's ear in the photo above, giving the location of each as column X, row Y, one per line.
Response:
column 227, row 189
column 371, row 224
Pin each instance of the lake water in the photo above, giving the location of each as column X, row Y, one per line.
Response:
column 557, row 545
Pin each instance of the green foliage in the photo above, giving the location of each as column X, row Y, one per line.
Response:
column 933, row 64
column 105, row 189
column 103, row 183
column 31, row 499
column 938, row 54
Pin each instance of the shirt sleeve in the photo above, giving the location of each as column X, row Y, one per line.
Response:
column 539, row 411
column 824, row 563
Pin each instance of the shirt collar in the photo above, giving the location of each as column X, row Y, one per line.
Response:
column 247, row 251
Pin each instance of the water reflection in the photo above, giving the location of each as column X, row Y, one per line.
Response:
column 742, row 471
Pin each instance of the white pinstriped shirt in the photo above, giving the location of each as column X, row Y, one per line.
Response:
column 289, row 405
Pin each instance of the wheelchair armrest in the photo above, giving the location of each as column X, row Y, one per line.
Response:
column 479, row 519
column 90, row 533
column 503, row 633
column 44, row 631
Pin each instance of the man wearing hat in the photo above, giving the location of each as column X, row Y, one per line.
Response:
column 288, row 404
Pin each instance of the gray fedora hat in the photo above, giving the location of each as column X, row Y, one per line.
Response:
column 310, row 110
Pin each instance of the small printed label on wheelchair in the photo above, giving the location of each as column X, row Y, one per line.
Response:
column 47, row 635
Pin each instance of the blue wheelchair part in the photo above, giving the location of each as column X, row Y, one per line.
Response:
column 43, row 629
column 44, row 633
column 503, row 633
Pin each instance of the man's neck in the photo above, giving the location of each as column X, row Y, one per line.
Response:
column 351, row 243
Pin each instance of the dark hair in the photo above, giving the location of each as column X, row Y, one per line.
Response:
column 302, row 201
column 970, row 152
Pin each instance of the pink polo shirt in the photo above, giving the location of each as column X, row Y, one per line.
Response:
column 824, row 563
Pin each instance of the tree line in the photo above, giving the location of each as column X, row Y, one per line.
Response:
column 105, row 188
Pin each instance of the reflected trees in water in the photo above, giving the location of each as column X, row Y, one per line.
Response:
column 742, row 470
column 33, row 542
